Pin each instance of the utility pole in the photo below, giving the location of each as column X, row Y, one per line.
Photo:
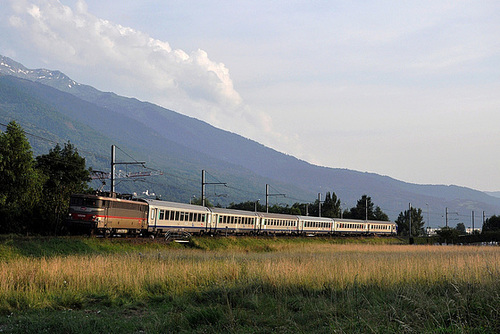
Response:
column 113, row 167
column 428, row 220
column 113, row 155
column 319, row 204
column 366, row 208
column 472, row 222
column 203, row 183
column 446, row 217
column 267, row 197
column 202, row 187
column 409, row 215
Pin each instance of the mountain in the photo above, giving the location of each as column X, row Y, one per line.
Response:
column 493, row 193
column 182, row 146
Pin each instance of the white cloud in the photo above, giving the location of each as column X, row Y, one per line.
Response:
column 132, row 63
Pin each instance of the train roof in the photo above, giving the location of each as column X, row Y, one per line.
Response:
column 174, row 205
column 316, row 219
column 276, row 215
column 345, row 220
column 108, row 198
column 235, row 212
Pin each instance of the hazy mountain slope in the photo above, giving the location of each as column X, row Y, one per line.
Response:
column 199, row 145
column 53, row 114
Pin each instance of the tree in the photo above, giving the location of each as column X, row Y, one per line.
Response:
column 364, row 210
column 65, row 174
column 197, row 201
column 380, row 215
column 331, row 206
column 491, row 224
column 20, row 183
column 417, row 222
column 247, row 206
column 448, row 235
column 461, row 229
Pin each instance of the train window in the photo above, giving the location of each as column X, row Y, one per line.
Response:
column 177, row 216
column 76, row 201
column 162, row 215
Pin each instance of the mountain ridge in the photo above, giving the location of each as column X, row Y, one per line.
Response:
column 225, row 148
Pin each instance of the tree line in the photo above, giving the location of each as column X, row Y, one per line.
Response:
column 35, row 192
column 330, row 208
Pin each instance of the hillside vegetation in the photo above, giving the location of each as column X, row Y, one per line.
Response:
column 51, row 105
column 242, row 285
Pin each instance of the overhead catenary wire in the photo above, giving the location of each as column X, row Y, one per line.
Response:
column 434, row 215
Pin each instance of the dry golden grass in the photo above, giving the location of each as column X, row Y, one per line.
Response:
column 41, row 282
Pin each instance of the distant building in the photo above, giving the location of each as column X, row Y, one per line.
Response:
column 469, row 230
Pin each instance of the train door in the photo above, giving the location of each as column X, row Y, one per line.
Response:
column 215, row 222
column 104, row 222
column 153, row 218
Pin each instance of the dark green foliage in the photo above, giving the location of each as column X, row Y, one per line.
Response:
column 364, row 209
column 461, row 228
column 20, row 182
column 380, row 215
column 441, row 308
column 448, row 235
column 331, row 206
column 248, row 206
column 34, row 195
column 417, row 223
column 65, row 174
column 492, row 224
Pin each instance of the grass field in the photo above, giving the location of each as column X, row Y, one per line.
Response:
column 247, row 285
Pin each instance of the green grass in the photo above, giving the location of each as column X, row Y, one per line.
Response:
column 261, row 309
column 246, row 285
column 12, row 246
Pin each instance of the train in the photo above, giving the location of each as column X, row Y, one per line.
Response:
column 112, row 215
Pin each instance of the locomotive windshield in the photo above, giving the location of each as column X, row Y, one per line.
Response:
column 88, row 202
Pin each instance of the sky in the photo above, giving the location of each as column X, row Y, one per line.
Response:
column 408, row 89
